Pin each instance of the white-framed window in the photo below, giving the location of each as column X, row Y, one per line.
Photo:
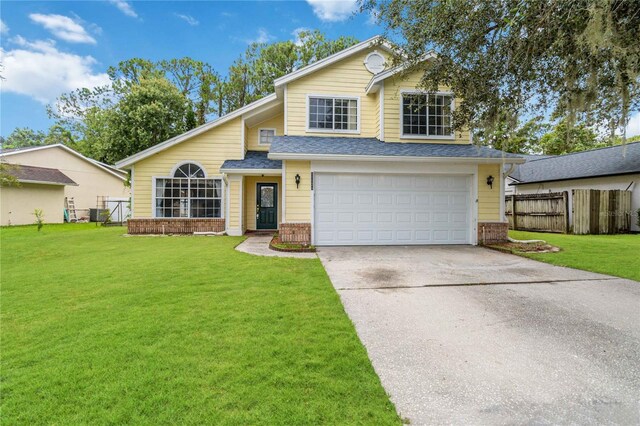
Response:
column 333, row 114
column 188, row 193
column 265, row 136
column 427, row 115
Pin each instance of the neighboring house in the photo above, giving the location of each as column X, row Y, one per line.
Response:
column 345, row 152
column 38, row 188
column 616, row 167
column 509, row 189
column 95, row 180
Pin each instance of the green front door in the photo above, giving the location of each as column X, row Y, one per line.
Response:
column 267, row 206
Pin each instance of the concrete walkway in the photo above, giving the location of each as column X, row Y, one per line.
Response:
column 258, row 245
column 466, row 335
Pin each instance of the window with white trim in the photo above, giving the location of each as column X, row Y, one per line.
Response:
column 333, row 114
column 265, row 136
column 189, row 193
column 427, row 114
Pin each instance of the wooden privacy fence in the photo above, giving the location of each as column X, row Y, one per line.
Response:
column 601, row 212
column 538, row 212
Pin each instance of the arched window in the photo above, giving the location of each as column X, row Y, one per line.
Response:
column 188, row 194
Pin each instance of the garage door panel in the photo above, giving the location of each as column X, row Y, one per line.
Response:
column 391, row 209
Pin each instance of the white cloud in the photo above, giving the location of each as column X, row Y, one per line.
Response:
column 4, row 29
column 63, row 27
column 333, row 10
column 41, row 71
column 188, row 19
column 125, row 7
column 633, row 128
column 263, row 37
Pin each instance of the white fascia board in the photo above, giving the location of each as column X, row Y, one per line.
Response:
column 374, row 84
column 371, row 42
column 252, row 172
column 338, row 157
column 125, row 163
column 96, row 163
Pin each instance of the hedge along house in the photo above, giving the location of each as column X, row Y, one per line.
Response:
column 345, row 152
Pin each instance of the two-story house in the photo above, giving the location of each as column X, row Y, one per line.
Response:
column 345, row 152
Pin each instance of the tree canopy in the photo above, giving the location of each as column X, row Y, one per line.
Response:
column 579, row 59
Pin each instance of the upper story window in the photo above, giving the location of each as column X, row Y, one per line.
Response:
column 427, row 115
column 265, row 136
column 333, row 114
column 188, row 193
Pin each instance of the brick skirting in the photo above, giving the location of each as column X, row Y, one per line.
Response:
column 492, row 232
column 295, row 233
column 174, row 226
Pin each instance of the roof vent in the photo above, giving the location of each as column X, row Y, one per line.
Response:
column 374, row 62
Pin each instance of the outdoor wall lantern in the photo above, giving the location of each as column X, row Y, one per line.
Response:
column 297, row 181
column 490, row 181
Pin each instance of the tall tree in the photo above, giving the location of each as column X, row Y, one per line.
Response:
column 514, row 136
column 580, row 58
column 563, row 139
column 152, row 112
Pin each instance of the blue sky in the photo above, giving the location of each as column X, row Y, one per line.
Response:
column 52, row 47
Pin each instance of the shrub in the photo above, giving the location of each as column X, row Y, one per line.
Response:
column 39, row 214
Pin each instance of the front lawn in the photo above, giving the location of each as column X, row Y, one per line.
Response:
column 617, row 255
column 100, row 328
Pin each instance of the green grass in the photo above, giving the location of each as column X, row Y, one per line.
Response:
column 617, row 255
column 98, row 328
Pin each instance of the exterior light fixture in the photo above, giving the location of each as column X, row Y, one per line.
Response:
column 490, row 181
column 297, row 181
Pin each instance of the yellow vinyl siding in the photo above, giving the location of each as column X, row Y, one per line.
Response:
column 393, row 88
column 347, row 78
column 489, row 198
column 209, row 149
column 233, row 220
column 298, row 200
column 253, row 137
column 250, row 200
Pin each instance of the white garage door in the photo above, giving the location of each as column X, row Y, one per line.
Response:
column 368, row 209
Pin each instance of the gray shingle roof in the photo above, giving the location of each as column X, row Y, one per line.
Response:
column 38, row 174
column 373, row 147
column 613, row 160
column 253, row 160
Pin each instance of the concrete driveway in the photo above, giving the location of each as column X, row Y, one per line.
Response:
column 467, row 335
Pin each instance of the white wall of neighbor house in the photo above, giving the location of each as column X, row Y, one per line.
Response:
column 17, row 204
column 92, row 180
column 622, row 182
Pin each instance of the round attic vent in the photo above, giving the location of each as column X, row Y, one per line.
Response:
column 374, row 62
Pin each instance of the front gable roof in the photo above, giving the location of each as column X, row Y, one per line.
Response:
column 378, row 79
column 126, row 162
column 615, row 160
column 120, row 174
column 274, row 98
column 376, row 41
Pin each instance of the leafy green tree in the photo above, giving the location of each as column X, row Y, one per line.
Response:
column 579, row 58
column 563, row 139
column 152, row 112
column 514, row 136
column 6, row 176
column 23, row 137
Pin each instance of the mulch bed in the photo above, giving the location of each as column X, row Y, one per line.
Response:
column 510, row 247
column 278, row 245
